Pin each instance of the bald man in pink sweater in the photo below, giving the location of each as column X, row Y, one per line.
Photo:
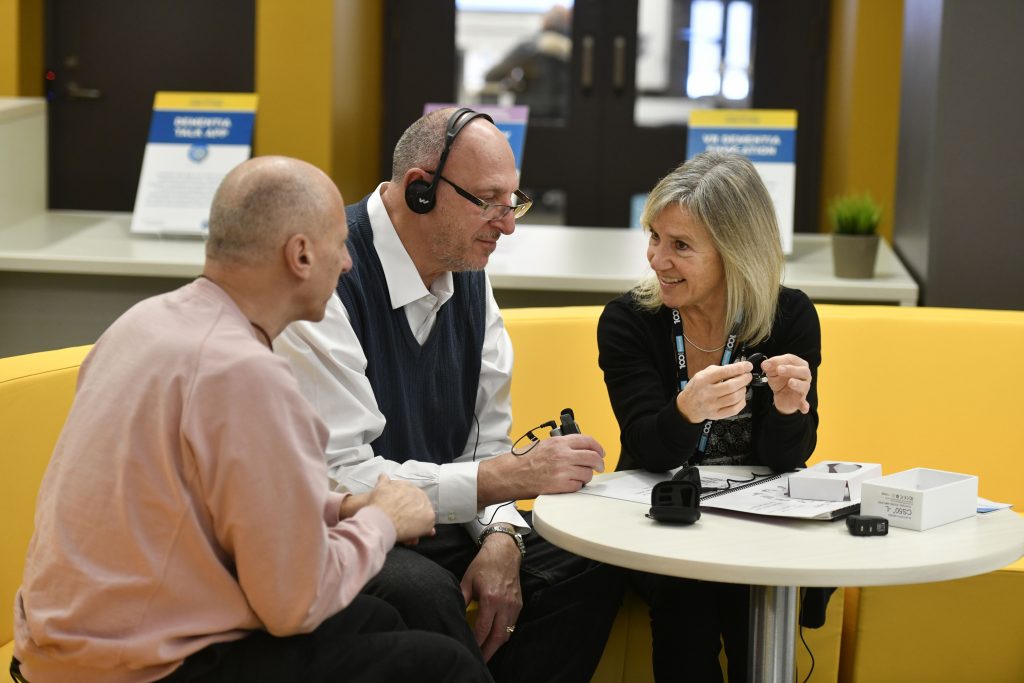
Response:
column 185, row 530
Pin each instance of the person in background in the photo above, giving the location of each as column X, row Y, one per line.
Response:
column 415, row 345
column 674, row 354
column 183, row 529
column 537, row 70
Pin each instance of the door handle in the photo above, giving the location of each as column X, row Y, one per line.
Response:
column 587, row 63
column 619, row 63
column 76, row 92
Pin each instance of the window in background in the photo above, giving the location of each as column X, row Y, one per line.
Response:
column 519, row 53
column 691, row 54
column 515, row 53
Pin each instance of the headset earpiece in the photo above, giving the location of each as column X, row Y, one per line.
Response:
column 419, row 195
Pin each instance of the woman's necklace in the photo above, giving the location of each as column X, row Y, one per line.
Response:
column 701, row 348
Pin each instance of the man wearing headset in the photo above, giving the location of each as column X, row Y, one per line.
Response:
column 416, row 346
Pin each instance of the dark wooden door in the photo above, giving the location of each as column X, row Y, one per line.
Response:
column 106, row 59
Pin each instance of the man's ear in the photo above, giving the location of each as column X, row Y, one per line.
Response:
column 416, row 173
column 298, row 256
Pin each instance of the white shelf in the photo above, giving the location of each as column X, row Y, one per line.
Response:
column 535, row 257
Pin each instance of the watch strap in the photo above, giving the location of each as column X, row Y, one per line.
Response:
column 504, row 529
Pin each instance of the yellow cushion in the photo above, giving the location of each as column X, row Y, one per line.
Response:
column 924, row 387
column 6, row 652
column 555, row 368
column 964, row 630
column 35, row 395
column 928, row 387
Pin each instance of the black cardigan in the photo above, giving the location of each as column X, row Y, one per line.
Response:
column 639, row 362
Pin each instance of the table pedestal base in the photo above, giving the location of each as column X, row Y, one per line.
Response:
column 772, row 634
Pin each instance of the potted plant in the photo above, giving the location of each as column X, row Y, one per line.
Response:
column 855, row 237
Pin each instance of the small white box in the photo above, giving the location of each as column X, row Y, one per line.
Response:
column 921, row 498
column 832, row 480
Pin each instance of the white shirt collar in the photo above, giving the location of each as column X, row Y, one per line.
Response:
column 404, row 282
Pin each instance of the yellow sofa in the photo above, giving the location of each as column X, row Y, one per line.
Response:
column 905, row 387
column 897, row 386
column 35, row 395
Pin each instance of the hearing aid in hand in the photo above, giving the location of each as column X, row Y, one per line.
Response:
column 759, row 378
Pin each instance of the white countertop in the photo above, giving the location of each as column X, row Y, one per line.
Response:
column 12, row 108
column 535, row 257
column 757, row 550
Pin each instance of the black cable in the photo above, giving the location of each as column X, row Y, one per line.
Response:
column 551, row 424
column 806, row 646
column 477, row 444
column 494, row 514
column 729, row 482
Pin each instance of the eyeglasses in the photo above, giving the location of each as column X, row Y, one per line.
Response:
column 494, row 212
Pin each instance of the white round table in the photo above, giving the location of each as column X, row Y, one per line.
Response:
column 775, row 556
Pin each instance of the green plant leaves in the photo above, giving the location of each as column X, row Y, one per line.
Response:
column 855, row 214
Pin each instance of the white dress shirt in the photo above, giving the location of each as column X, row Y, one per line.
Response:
column 330, row 364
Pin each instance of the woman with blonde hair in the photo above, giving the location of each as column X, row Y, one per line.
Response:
column 675, row 352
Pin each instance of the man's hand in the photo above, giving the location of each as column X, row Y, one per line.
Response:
column 716, row 392
column 407, row 506
column 789, row 377
column 561, row 464
column 492, row 579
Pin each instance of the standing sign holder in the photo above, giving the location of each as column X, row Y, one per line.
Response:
column 195, row 139
column 765, row 136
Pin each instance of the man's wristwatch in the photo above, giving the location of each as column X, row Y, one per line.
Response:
column 504, row 529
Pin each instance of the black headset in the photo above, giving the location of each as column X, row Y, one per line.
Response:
column 421, row 195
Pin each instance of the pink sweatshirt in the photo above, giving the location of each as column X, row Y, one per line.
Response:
column 186, row 503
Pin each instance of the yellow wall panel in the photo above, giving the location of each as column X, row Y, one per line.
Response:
column 21, row 48
column 30, row 48
column 863, row 103
column 358, row 58
column 318, row 72
column 294, row 79
column 8, row 48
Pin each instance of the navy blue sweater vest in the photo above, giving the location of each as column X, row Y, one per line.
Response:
column 426, row 393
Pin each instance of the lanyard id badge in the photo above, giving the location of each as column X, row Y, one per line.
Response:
column 681, row 374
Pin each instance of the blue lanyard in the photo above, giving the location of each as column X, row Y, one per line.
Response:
column 730, row 346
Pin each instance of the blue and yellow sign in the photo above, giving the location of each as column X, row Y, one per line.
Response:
column 195, row 139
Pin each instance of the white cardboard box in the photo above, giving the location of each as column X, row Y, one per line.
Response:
column 832, row 480
column 921, row 498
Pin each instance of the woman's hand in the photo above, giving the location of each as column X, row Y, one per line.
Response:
column 789, row 377
column 716, row 392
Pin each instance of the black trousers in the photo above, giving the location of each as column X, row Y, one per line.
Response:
column 689, row 621
column 569, row 604
column 365, row 642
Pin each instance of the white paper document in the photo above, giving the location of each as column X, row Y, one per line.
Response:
column 740, row 489
column 986, row 505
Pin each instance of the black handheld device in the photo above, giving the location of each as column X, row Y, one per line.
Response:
column 567, row 424
column 867, row 525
